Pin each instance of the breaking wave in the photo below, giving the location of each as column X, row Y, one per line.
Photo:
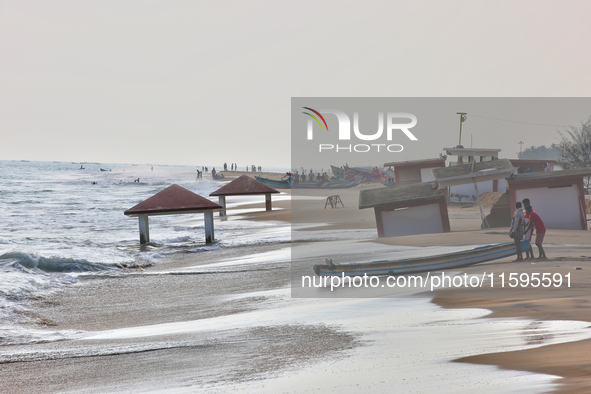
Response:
column 20, row 260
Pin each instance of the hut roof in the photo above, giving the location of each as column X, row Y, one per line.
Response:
column 243, row 185
column 394, row 195
column 173, row 199
column 549, row 175
column 468, row 173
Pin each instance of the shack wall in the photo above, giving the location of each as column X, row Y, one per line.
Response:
column 423, row 219
column 557, row 206
column 427, row 174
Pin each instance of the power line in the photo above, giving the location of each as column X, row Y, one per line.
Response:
column 515, row 121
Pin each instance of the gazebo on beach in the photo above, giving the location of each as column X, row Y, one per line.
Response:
column 243, row 186
column 174, row 200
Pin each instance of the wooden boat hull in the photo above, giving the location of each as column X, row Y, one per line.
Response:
column 369, row 176
column 422, row 264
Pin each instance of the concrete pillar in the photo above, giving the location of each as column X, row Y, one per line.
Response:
column 144, row 229
column 268, row 201
column 222, row 202
column 208, row 216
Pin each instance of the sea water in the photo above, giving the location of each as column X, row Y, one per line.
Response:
column 62, row 219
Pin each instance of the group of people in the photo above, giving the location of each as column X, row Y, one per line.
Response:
column 255, row 168
column 525, row 220
column 233, row 167
column 295, row 179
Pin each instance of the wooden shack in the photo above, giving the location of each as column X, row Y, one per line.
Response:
column 418, row 208
column 416, row 171
column 474, row 174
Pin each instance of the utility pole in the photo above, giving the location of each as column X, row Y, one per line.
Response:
column 462, row 120
column 520, row 146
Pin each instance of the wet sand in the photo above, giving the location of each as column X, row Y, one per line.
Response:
column 568, row 360
column 192, row 287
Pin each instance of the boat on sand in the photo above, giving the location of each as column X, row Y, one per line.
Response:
column 422, row 264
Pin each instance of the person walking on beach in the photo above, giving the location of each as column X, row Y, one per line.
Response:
column 517, row 229
column 536, row 221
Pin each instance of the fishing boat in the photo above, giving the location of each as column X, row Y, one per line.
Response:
column 331, row 184
column 282, row 184
column 368, row 174
column 422, row 264
column 337, row 172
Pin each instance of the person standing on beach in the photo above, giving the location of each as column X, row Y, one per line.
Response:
column 517, row 229
column 536, row 221
column 529, row 253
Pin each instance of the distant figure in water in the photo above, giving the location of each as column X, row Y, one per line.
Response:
column 152, row 168
column 81, row 167
column 137, row 180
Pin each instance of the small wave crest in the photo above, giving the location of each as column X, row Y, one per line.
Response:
column 49, row 264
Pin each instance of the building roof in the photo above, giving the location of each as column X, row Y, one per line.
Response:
column 398, row 194
column 470, row 172
column 461, row 151
column 243, row 185
column 173, row 199
column 417, row 163
column 549, row 175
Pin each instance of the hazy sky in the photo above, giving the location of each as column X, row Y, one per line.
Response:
column 207, row 82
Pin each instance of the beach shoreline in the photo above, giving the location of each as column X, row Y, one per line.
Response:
column 179, row 290
column 567, row 360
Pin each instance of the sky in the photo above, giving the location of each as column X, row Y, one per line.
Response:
column 208, row 82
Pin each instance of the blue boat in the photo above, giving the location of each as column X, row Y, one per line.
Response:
column 422, row 264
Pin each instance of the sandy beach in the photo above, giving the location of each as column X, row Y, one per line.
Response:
column 256, row 336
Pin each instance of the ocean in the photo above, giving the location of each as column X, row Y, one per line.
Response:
column 85, row 308
column 61, row 220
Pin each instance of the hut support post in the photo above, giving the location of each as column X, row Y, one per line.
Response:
column 268, row 201
column 222, row 202
column 208, row 216
column 144, row 229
